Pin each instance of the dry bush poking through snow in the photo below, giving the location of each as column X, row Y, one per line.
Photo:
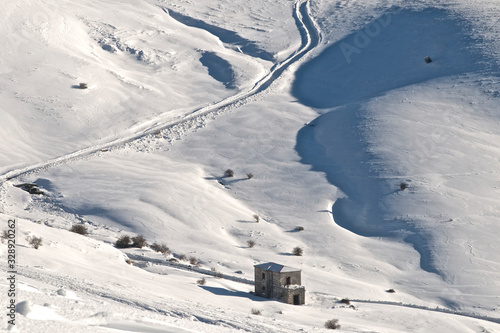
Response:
column 162, row 248
column 249, row 175
column 297, row 251
column 256, row 218
column 139, row 241
column 345, row 301
column 5, row 235
column 123, row 242
column 229, row 173
column 193, row 261
column 182, row 257
column 201, row 281
column 256, row 312
column 34, row 241
column 79, row 229
column 332, row 324
column 250, row 243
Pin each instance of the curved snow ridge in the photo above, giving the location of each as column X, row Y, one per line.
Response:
column 436, row 309
column 310, row 39
column 189, row 268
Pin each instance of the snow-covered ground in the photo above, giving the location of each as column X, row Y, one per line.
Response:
column 331, row 107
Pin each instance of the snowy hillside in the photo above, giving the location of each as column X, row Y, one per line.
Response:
column 331, row 121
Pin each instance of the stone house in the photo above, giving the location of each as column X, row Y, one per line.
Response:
column 277, row 281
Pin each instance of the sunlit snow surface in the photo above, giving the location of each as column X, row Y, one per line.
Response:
column 328, row 143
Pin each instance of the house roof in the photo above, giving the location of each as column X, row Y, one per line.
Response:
column 273, row 267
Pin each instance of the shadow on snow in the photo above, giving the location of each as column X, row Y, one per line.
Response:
column 387, row 54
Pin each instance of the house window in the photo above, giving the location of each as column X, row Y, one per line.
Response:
column 263, row 276
column 288, row 281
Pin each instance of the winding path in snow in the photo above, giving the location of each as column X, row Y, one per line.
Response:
column 310, row 38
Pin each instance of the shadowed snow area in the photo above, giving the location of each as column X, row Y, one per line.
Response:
column 387, row 54
column 226, row 36
column 397, row 119
column 218, row 68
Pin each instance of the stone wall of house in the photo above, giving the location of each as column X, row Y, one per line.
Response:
column 264, row 283
column 282, row 286
column 288, row 294
column 294, row 278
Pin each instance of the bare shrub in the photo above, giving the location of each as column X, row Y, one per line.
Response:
column 79, row 229
column 162, row 248
column 123, row 242
column 391, row 291
column 128, row 261
column 256, row 312
column 182, row 257
column 249, row 175
column 201, row 281
column 299, row 228
column 250, row 243
column 229, row 173
column 297, row 251
column 193, row 261
column 256, row 218
column 5, row 235
column 345, row 301
column 332, row 324
column 34, row 241
column 403, row 186
column 139, row 241
column 218, row 275
column 83, row 85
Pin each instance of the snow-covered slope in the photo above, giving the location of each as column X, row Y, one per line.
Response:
column 180, row 91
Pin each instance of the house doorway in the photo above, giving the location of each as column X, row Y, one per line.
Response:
column 296, row 300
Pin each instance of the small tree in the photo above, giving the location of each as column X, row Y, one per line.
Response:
column 297, row 251
column 139, row 241
column 256, row 218
column 332, row 324
column 35, row 242
column 250, row 243
column 123, row 242
column 229, row 173
column 403, row 186
column 79, row 229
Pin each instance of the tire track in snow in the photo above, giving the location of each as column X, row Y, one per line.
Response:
column 310, row 37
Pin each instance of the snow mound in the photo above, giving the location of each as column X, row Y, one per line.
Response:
column 24, row 308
